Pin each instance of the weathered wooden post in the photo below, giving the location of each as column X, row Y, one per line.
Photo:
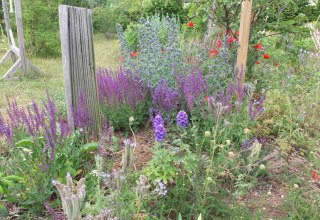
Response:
column 244, row 30
column 14, row 51
column 78, row 61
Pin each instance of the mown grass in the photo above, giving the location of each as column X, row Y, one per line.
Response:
column 34, row 86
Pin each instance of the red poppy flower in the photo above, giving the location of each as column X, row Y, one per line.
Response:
column 315, row 175
column 218, row 43
column 121, row 59
column 190, row 24
column 231, row 39
column 134, row 54
column 213, row 53
column 266, row 56
column 258, row 46
column 258, row 62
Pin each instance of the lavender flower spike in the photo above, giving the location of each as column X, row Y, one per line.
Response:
column 182, row 119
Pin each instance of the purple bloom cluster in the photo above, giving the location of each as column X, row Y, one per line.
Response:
column 162, row 189
column 255, row 107
column 182, row 119
column 120, row 88
column 164, row 98
column 159, row 129
column 192, row 86
column 36, row 122
column 105, row 138
column 81, row 115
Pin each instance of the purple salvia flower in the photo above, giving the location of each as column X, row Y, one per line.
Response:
column 255, row 108
column 52, row 112
column 165, row 98
column 27, row 122
column 120, row 88
column 38, row 117
column 2, row 125
column 192, row 86
column 8, row 133
column 64, row 129
column 182, row 119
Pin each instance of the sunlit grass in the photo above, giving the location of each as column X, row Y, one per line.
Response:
column 34, row 86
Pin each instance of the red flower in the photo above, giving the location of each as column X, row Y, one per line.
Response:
column 122, row 59
column 237, row 33
column 315, row 175
column 258, row 46
column 213, row 53
column 218, row 43
column 258, row 62
column 266, row 56
column 190, row 24
column 231, row 39
column 134, row 54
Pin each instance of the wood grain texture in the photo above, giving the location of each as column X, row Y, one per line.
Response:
column 245, row 22
column 78, row 62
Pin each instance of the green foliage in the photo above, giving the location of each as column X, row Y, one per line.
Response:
column 104, row 20
column 165, row 7
column 6, row 182
column 41, row 27
column 119, row 116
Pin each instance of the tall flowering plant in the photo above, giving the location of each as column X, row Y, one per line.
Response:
column 122, row 94
column 158, row 49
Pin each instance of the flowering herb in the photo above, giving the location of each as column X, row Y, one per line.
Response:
column 164, row 98
column 159, row 129
column 182, row 119
column 120, row 88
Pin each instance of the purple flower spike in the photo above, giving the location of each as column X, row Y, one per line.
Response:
column 157, row 121
column 182, row 119
column 159, row 129
column 160, row 133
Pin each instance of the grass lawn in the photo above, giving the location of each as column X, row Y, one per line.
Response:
column 33, row 86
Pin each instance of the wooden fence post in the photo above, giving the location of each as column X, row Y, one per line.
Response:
column 76, row 34
column 244, row 30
